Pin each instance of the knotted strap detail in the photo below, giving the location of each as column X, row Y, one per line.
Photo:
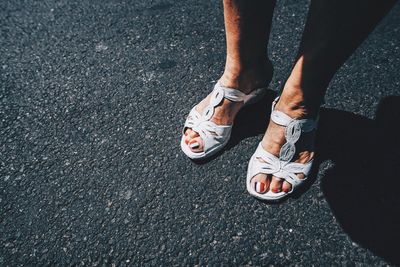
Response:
column 267, row 163
column 218, row 94
column 293, row 130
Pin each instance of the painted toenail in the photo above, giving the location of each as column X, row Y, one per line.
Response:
column 194, row 144
column 259, row 187
column 286, row 190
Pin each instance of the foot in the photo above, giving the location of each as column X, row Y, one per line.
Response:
column 225, row 112
column 274, row 139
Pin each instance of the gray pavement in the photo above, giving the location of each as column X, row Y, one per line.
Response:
column 93, row 95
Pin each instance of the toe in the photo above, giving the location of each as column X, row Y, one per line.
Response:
column 286, row 187
column 260, row 183
column 189, row 136
column 196, row 144
column 186, row 135
column 187, row 131
column 276, row 184
column 193, row 134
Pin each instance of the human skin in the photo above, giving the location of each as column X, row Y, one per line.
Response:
column 334, row 29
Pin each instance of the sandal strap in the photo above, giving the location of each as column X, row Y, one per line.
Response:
column 307, row 125
column 230, row 93
column 205, row 128
column 271, row 164
column 293, row 130
column 218, row 94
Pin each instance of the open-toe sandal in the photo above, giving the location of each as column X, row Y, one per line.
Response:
column 281, row 167
column 215, row 136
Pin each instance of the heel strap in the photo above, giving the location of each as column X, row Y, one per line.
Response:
column 231, row 93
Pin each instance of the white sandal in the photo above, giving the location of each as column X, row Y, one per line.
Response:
column 281, row 167
column 214, row 136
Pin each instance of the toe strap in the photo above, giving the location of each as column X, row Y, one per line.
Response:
column 211, row 133
column 266, row 163
column 289, row 173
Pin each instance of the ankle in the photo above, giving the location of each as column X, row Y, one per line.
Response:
column 245, row 77
column 294, row 103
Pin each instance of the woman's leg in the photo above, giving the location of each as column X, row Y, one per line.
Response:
column 334, row 29
column 247, row 67
column 247, row 26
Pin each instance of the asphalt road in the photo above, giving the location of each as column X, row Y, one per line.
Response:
column 93, row 95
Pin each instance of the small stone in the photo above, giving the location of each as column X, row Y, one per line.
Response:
column 128, row 194
column 100, row 47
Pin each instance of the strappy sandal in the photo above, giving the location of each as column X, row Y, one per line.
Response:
column 215, row 136
column 264, row 162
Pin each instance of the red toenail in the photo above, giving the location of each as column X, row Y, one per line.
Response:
column 259, row 187
column 275, row 190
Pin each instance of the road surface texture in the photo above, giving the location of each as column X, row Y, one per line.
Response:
column 93, row 96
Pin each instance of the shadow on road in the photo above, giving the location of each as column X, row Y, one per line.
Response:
column 362, row 187
column 252, row 120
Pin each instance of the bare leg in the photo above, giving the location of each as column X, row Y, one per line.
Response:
column 334, row 29
column 247, row 67
column 247, row 25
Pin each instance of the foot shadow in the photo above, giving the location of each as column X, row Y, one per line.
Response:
column 252, row 120
column 361, row 188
